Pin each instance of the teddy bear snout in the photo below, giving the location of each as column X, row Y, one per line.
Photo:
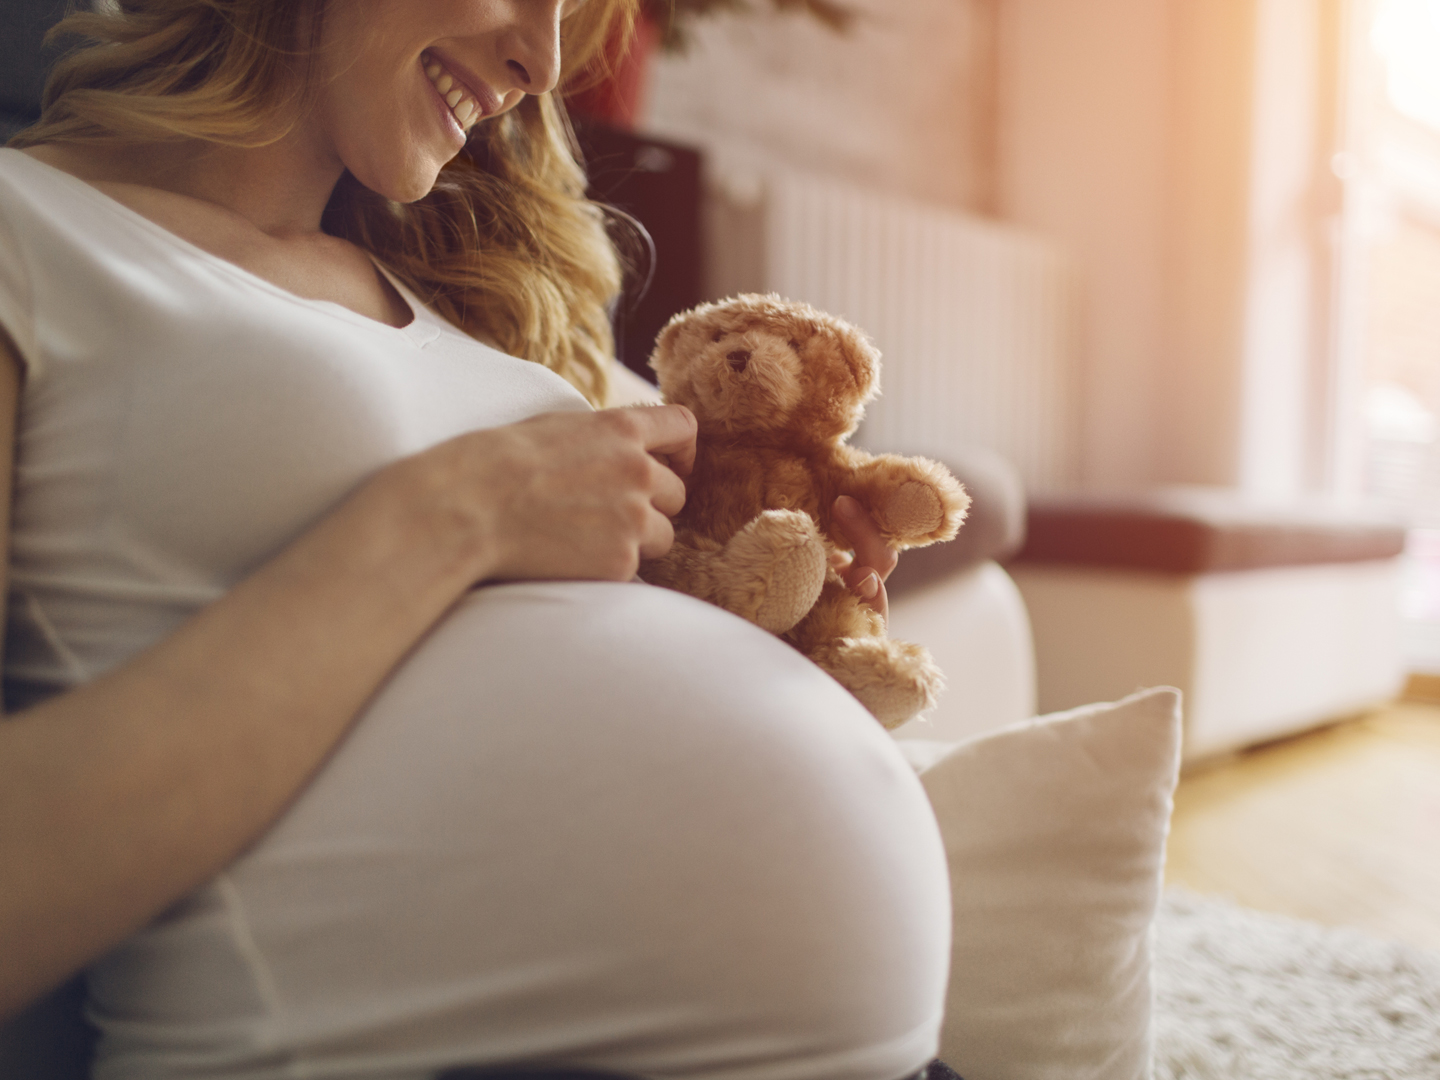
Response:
column 738, row 358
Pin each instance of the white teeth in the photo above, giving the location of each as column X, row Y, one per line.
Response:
column 466, row 109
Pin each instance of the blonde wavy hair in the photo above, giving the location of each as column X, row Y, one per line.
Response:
column 506, row 245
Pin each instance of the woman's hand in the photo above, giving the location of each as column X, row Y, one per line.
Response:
column 564, row 495
column 873, row 560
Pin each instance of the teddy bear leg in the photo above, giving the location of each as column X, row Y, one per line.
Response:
column 770, row 572
column 895, row 680
column 773, row 569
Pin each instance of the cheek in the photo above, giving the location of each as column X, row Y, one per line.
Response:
column 387, row 135
column 398, row 166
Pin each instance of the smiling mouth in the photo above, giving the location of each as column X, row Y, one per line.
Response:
column 462, row 103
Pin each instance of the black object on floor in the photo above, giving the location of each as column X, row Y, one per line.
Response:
column 658, row 184
column 51, row 1040
column 517, row 1073
column 936, row 1070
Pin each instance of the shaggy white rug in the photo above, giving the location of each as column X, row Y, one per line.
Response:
column 1242, row 995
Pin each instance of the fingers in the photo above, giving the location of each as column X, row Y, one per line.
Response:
column 871, row 550
column 865, row 573
column 872, row 590
column 667, row 431
column 561, row 495
column 667, row 434
column 658, row 537
column 668, row 489
column 866, row 584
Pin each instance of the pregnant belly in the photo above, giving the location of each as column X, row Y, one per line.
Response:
column 575, row 809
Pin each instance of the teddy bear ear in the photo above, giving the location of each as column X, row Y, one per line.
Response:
column 864, row 360
column 665, row 340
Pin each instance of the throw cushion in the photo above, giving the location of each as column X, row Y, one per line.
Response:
column 1055, row 833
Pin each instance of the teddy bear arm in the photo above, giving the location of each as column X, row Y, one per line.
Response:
column 790, row 486
column 914, row 501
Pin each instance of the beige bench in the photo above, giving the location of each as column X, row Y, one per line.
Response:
column 1269, row 618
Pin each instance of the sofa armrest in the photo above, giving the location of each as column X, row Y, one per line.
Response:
column 976, row 627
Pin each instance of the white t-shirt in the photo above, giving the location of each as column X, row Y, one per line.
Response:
column 183, row 419
column 583, row 823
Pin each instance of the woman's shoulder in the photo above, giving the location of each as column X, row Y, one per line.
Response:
column 26, row 178
column 38, row 201
column 48, row 215
column 53, row 186
column 60, row 221
column 20, row 183
column 61, row 241
column 32, row 204
column 15, row 162
column 17, row 319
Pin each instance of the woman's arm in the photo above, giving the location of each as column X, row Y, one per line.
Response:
column 123, row 795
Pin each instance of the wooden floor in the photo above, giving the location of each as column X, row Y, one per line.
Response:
column 1340, row 826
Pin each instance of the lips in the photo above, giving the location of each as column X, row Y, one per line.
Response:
column 469, row 100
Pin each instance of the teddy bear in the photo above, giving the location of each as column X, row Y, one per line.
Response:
column 777, row 387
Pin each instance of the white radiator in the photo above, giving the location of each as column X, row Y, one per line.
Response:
column 976, row 321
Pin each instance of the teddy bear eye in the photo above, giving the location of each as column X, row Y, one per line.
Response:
column 717, row 335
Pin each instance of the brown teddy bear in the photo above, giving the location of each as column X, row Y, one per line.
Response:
column 777, row 387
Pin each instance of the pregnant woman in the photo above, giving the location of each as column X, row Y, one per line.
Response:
column 341, row 743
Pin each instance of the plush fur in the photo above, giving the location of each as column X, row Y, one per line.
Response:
column 777, row 387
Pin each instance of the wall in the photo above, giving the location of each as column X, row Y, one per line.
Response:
column 899, row 103
column 1182, row 150
column 1200, row 380
column 1294, row 200
column 1084, row 99
column 1178, row 148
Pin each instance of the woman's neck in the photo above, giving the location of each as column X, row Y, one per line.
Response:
column 257, row 208
column 281, row 189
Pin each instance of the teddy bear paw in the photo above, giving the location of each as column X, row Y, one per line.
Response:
column 776, row 566
column 914, row 509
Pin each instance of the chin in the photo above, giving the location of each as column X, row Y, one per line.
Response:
column 408, row 184
column 414, row 189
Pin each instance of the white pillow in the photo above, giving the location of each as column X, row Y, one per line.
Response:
column 1055, row 832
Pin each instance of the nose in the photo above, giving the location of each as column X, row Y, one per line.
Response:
column 532, row 52
column 738, row 359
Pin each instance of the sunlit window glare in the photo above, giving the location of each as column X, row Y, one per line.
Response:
column 1407, row 35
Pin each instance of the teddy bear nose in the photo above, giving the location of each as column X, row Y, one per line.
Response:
column 738, row 359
